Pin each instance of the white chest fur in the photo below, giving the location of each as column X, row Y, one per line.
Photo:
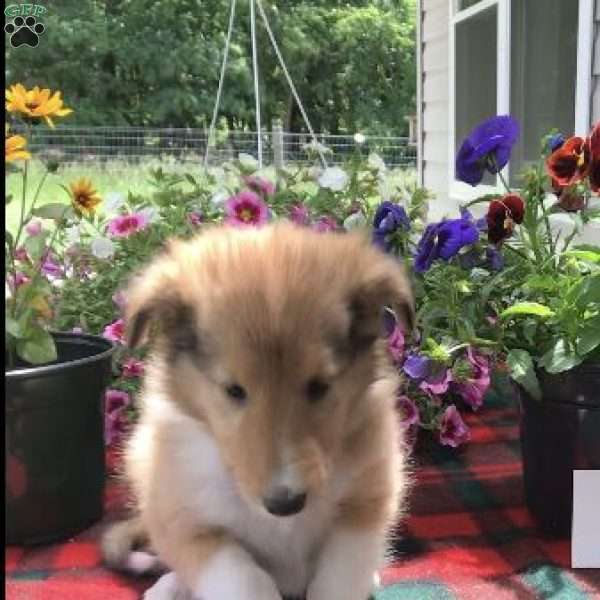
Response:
column 202, row 490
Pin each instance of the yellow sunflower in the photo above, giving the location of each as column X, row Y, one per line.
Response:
column 84, row 197
column 14, row 147
column 36, row 103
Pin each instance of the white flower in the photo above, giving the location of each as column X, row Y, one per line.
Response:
column 247, row 161
column 333, row 178
column 102, row 248
column 150, row 213
column 355, row 221
column 359, row 138
column 73, row 235
column 386, row 188
column 376, row 162
column 113, row 202
column 219, row 198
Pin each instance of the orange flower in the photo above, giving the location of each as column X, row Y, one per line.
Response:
column 14, row 147
column 569, row 163
column 36, row 103
column 84, row 197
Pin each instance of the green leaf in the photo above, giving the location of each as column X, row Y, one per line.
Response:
column 527, row 308
column 8, row 199
column 12, row 327
column 36, row 245
column 9, row 238
column 560, row 358
column 590, row 338
column 38, row 348
column 52, row 210
column 191, row 179
column 585, row 255
column 522, row 371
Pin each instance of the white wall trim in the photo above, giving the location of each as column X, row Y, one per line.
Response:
column 503, row 86
column 420, row 107
column 461, row 15
column 583, row 90
column 451, row 94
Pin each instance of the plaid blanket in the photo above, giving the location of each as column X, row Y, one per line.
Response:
column 468, row 536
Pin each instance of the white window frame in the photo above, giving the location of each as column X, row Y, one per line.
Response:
column 462, row 192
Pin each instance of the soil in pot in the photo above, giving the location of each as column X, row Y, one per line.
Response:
column 54, row 428
column 559, row 434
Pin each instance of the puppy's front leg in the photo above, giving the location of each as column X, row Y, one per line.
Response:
column 215, row 567
column 347, row 565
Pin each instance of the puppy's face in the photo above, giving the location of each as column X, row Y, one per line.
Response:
column 269, row 337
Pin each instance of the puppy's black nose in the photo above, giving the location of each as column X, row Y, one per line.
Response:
column 284, row 502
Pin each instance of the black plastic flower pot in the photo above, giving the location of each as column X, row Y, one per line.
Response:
column 55, row 465
column 559, row 434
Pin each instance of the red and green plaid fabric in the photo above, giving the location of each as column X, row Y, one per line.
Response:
column 468, row 537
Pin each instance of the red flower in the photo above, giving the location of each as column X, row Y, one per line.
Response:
column 570, row 200
column 502, row 216
column 569, row 163
column 594, row 146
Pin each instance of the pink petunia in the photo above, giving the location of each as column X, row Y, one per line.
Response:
column 453, row 431
column 195, row 218
column 300, row 214
column 325, row 224
column 474, row 389
column 21, row 254
column 259, row 185
column 33, row 228
column 246, row 209
column 115, row 331
column 437, row 383
column 18, row 280
column 115, row 400
column 127, row 225
column 132, row 368
column 395, row 344
column 408, row 411
column 115, row 419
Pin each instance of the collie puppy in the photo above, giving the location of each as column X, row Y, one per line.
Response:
column 268, row 460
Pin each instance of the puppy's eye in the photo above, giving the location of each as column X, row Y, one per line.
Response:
column 316, row 390
column 236, row 392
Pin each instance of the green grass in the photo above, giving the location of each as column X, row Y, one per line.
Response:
column 114, row 177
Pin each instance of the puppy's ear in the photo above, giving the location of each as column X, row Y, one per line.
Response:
column 384, row 284
column 153, row 298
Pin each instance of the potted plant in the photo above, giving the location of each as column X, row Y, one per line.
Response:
column 547, row 316
column 54, row 382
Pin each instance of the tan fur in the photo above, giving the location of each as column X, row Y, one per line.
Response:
column 267, row 309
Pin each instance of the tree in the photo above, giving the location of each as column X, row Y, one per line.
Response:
column 156, row 62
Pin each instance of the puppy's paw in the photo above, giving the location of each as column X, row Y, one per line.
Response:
column 232, row 573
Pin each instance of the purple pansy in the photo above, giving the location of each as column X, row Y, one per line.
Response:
column 417, row 366
column 389, row 218
column 473, row 389
column 246, row 209
column 453, row 431
column 487, row 147
column 50, row 267
column 443, row 241
column 556, row 141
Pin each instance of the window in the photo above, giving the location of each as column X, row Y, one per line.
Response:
column 475, row 89
column 543, row 73
column 527, row 58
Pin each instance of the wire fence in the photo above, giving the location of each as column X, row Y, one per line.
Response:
column 112, row 146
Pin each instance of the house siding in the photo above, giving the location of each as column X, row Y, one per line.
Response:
column 434, row 98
